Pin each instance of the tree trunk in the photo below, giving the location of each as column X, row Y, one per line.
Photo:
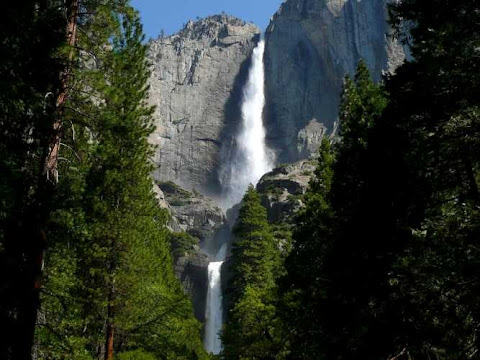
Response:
column 35, row 248
column 110, row 326
column 51, row 162
column 109, row 344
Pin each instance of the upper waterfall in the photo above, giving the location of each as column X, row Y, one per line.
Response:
column 252, row 158
column 192, row 85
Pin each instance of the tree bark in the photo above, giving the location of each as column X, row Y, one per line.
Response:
column 110, row 326
column 35, row 248
column 51, row 162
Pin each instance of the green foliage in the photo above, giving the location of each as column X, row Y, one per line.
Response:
column 109, row 258
column 362, row 103
column 384, row 261
column 253, row 330
column 302, row 285
column 254, row 252
column 352, row 263
column 136, row 355
column 432, row 277
column 283, row 238
column 32, row 37
column 182, row 244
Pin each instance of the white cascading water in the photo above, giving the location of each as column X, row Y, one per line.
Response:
column 214, row 308
column 251, row 160
column 213, row 343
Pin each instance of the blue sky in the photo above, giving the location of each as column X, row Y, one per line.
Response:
column 170, row 15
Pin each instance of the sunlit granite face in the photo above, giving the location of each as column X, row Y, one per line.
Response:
column 199, row 74
column 196, row 82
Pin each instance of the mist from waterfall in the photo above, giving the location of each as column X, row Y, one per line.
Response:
column 250, row 161
column 252, row 158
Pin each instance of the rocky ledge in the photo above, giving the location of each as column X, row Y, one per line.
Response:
column 196, row 224
column 192, row 212
column 283, row 188
column 192, row 270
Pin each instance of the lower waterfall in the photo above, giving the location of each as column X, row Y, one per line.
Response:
column 214, row 309
column 251, row 160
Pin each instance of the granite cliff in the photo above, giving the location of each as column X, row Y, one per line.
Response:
column 310, row 46
column 196, row 83
column 282, row 190
column 198, row 75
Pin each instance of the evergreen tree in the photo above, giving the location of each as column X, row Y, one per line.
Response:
column 32, row 45
column 356, row 316
column 119, row 293
column 252, row 327
column 436, row 276
column 400, row 267
column 329, row 269
column 303, row 287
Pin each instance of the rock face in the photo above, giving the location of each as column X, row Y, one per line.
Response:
column 192, row 270
column 196, row 84
column 310, row 46
column 198, row 216
column 193, row 213
column 282, row 189
column 198, row 76
column 173, row 224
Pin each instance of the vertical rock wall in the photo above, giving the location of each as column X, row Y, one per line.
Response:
column 196, row 84
column 311, row 45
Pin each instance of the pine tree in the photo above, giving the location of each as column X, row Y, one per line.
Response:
column 355, row 323
column 119, row 294
column 400, row 268
column 252, row 327
column 254, row 253
column 436, row 275
column 33, row 36
column 303, row 287
column 330, row 274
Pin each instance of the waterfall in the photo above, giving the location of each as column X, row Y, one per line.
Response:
column 250, row 161
column 214, row 309
column 251, row 158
